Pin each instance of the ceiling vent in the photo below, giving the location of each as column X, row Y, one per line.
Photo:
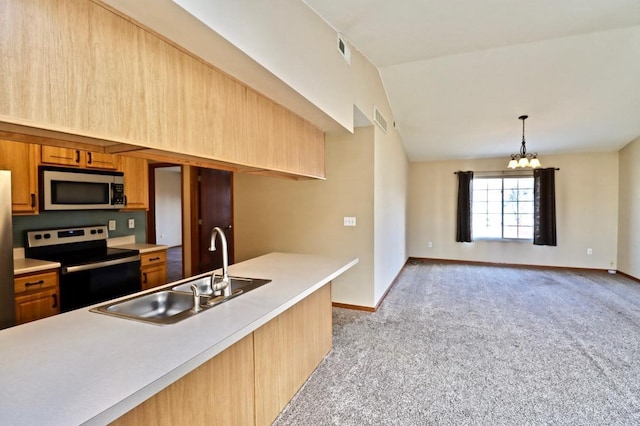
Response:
column 379, row 119
column 344, row 49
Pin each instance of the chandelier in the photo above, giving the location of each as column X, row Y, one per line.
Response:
column 524, row 159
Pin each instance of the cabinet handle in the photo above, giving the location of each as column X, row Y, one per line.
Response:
column 55, row 300
column 153, row 259
column 77, row 156
column 35, row 283
column 33, row 200
column 144, row 276
column 89, row 154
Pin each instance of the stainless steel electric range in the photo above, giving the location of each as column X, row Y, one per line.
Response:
column 91, row 272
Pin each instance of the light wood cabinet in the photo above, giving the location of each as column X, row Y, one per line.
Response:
column 287, row 349
column 136, row 182
column 36, row 296
column 77, row 158
column 282, row 141
column 153, row 269
column 219, row 392
column 250, row 382
column 22, row 160
column 98, row 75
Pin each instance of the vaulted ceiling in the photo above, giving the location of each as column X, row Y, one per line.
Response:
column 458, row 73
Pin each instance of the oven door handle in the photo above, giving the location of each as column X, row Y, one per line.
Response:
column 78, row 268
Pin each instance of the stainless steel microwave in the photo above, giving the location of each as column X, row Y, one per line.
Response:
column 76, row 189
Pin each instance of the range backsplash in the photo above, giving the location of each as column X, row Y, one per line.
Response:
column 62, row 219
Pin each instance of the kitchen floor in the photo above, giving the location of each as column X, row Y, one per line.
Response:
column 174, row 264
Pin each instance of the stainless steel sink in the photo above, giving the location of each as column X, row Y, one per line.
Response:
column 170, row 306
column 237, row 283
column 161, row 307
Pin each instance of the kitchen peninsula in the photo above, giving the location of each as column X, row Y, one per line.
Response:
column 82, row 367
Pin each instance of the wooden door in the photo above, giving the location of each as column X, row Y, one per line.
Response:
column 215, row 207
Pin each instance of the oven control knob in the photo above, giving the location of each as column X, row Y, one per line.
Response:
column 93, row 232
column 47, row 236
column 38, row 237
column 100, row 231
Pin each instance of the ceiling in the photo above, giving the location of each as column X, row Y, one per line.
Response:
column 458, row 73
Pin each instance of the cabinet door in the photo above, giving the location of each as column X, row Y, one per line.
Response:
column 61, row 156
column 37, row 305
column 153, row 276
column 22, row 160
column 136, row 182
column 100, row 160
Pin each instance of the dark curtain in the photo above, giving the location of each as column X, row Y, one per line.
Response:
column 544, row 211
column 463, row 222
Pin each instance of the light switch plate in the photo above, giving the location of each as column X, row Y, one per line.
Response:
column 132, row 223
column 349, row 221
column 112, row 225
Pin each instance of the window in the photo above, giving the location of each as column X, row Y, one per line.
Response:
column 502, row 208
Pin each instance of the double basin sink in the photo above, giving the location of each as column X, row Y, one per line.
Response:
column 169, row 304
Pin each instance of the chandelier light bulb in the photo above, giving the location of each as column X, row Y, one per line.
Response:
column 523, row 159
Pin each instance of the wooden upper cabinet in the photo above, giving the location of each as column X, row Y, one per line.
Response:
column 77, row 158
column 22, row 160
column 280, row 140
column 100, row 160
column 136, row 182
column 77, row 67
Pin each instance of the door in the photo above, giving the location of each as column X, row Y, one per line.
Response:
column 215, row 208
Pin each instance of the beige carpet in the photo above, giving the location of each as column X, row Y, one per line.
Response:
column 483, row 345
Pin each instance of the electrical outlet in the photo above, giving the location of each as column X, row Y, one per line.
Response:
column 112, row 225
column 430, row 244
column 349, row 221
column 132, row 223
column 589, row 251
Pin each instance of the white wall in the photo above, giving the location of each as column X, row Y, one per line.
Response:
column 168, row 206
column 289, row 40
column 586, row 213
column 629, row 213
column 390, row 206
column 273, row 214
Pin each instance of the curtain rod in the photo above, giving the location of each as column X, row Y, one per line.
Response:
column 504, row 172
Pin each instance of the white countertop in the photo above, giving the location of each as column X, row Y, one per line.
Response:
column 83, row 367
column 142, row 247
column 27, row 266
column 129, row 242
column 22, row 265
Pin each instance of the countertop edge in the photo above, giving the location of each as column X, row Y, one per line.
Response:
column 170, row 377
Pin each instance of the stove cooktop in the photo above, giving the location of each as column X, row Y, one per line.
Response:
column 73, row 246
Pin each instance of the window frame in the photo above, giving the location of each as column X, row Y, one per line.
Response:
column 505, row 175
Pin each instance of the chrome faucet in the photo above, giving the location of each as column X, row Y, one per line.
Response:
column 225, row 284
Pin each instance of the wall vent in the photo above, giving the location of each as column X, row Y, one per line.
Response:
column 379, row 119
column 344, row 49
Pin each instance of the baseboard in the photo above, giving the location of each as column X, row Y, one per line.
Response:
column 509, row 265
column 631, row 277
column 354, row 307
column 369, row 308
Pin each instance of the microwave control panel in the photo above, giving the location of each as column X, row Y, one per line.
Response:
column 117, row 194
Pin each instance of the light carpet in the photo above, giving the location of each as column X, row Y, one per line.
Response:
column 482, row 345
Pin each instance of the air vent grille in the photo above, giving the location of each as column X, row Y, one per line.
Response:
column 343, row 48
column 379, row 119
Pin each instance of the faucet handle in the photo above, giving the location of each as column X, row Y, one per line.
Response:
column 196, row 299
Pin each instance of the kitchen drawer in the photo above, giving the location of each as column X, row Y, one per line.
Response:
column 153, row 258
column 38, row 305
column 33, row 282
